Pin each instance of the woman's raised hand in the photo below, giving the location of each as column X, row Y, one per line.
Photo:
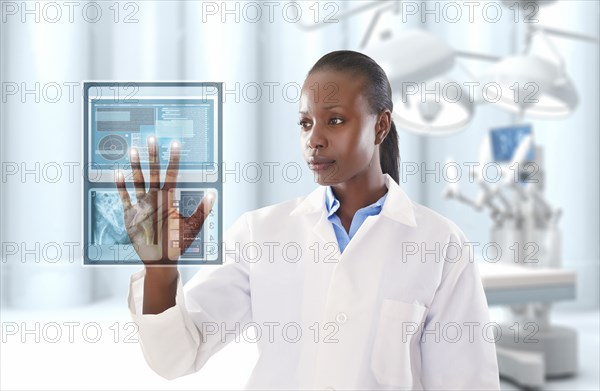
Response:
column 155, row 227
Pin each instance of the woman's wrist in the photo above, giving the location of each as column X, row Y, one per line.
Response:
column 162, row 275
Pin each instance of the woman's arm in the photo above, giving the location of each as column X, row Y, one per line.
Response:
column 171, row 334
column 457, row 347
column 178, row 332
column 160, row 289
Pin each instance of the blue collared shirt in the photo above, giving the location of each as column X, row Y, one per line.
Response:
column 360, row 216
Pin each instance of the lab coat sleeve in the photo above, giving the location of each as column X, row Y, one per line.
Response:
column 180, row 340
column 453, row 361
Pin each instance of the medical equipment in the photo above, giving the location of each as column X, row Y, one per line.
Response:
column 517, row 286
column 526, row 235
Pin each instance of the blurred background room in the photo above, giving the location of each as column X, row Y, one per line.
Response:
column 497, row 113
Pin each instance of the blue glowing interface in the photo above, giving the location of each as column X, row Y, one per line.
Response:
column 118, row 126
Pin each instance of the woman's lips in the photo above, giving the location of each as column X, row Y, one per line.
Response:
column 319, row 163
column 320, row 166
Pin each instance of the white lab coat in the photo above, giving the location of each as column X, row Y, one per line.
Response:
column 326, row 320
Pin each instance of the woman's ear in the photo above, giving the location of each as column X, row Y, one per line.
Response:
column 384, row 124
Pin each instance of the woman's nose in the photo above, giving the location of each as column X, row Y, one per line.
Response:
column 316, row 139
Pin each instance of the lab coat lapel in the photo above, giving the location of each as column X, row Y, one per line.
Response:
column 316, row 275
column 322, row 252
column 313, row 207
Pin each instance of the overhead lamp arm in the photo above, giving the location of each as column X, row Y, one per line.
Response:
column 387, row 5
column 477, row 56
column 391, row 6
column 544, row 32
column 395, row 6
column 565, row 34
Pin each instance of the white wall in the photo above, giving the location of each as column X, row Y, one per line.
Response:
column 40, row 133
column 571, row 147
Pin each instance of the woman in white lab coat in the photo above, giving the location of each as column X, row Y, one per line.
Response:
column 353, row 286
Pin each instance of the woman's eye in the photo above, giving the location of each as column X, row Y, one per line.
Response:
column 337, row 119
column 302, row 123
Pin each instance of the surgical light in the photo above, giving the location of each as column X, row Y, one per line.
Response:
column 414, row 60
column 533, row 86
column 528, row 84
column 439, row 107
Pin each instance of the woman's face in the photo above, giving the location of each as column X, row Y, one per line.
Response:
column 337, row 130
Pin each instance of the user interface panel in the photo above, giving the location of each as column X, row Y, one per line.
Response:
column 121, row 116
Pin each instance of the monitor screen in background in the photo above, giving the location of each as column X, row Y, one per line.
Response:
column 506, row 140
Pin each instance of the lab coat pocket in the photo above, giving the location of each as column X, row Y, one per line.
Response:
column 396, row 341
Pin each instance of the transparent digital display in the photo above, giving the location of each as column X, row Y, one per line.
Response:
column 120, row 116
